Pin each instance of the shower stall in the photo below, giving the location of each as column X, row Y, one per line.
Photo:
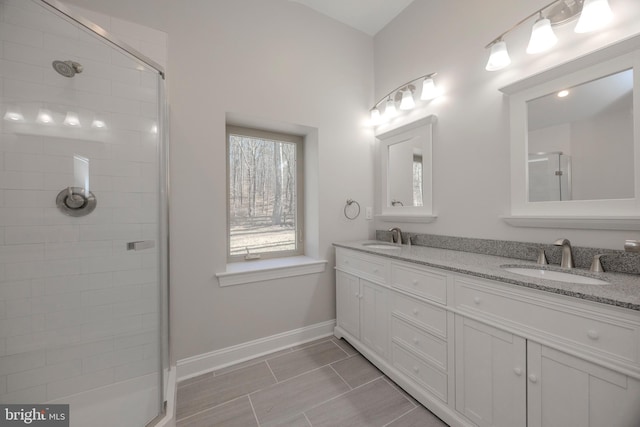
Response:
column 83, row 220
column 549, row 176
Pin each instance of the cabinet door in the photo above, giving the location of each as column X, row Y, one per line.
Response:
column 374, row 317
column 490, row 375
column 565, row 391
column 348, row 303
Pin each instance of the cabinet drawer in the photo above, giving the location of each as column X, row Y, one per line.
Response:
column 425, row 283
column 427, row 316
column 420, row 371
column 430, row 347
column 361, row 265
column 555, row 320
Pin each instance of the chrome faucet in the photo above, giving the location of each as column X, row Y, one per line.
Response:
column 396, row 235
column 567, row 259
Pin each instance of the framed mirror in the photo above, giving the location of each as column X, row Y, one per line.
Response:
column 405, row 172
column 575, row 143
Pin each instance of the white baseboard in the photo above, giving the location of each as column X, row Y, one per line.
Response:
column 207, row 362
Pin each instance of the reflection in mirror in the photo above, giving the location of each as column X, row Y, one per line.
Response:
column 405, row 173
column 581, row 141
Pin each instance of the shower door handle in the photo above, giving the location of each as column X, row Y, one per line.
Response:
column 141, row 245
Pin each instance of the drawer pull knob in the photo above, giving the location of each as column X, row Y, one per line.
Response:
column 416, row 369
column 416, row 341
column 415, row 311
column 415, row 282
column 593, row 334
column 517, row 371
column 533, row 378
column 476, row 300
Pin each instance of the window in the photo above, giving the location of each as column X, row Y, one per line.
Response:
column 265, row 194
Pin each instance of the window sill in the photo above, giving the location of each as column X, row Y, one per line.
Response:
column 239, row 273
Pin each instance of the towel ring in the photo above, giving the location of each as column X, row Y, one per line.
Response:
column 352, row 209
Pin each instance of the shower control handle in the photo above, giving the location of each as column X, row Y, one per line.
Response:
column 140, row 245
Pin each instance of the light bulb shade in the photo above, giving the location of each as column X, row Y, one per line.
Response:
column 375, row 115
column 428, row 89
column 499, row 57
column 407, row 102
column 71, row 119
column 390, row 108
column 542, row 37
column 44, row 116
column 14, row 115
column 595, row 15
column 98, row 123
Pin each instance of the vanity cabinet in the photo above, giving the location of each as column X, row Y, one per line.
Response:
column 361, row 304
column 479, row 352
column 491, row 375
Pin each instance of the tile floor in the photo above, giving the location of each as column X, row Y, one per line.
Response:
column 325, row 383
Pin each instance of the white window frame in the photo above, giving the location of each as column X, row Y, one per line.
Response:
column 299, row 220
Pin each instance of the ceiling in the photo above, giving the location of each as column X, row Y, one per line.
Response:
column 368, row 16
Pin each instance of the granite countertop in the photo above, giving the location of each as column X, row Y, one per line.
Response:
column 623, row 290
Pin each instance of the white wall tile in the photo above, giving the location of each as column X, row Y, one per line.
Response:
column 35, row 270
column 80, row 351
column 22, row 362
column 77, row 284
column 21, row 71
column 58, row 389
column 17, row 307
column 111, row 359
column 135, row 369
column 141, row 338
column 21, row 253
column 123, row 325
column 41, row 234
column 21, row 143
column 76, row 250
column 21, row 180
column 113, row 295
column 15, row 290
column 16, row 326
column 43, row 375
column 21, row 35
column 35, row 394
column 56, row 302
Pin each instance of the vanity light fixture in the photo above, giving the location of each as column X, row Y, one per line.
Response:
column 407, row 102
column 45, row 117
column 542, row 36
column 405, row 95
column 98, row 123
column 499, row 57
column 390, row 108
column 594, row 14
column 71, row 119
column 14, row 114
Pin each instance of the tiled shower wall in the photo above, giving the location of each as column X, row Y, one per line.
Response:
column 77, row 310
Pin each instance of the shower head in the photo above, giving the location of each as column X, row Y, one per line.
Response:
column 67, row 68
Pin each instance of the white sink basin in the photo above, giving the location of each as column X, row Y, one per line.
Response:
column 559, row 276
column 381, row 246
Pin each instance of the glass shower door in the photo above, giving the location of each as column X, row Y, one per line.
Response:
column 81, row 230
